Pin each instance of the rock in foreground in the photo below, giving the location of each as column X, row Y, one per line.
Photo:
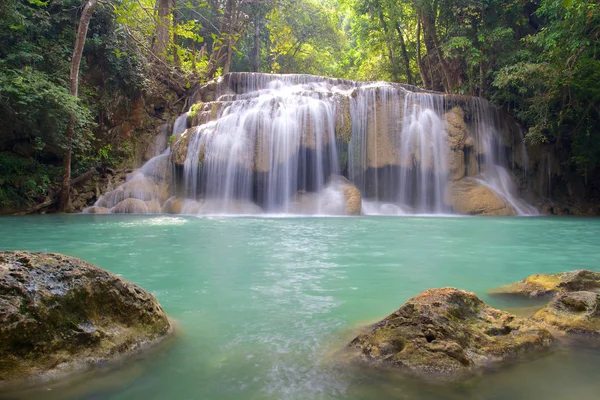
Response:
column 59, row 314
column 573, row 313
column 448, row 333
column 550, row 284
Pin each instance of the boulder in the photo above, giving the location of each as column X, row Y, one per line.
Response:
column 470, row 197
column 173, row 205
column 456, row 164
column 352, row 197
column 456, row 127
column 179, row 147
column 573, row 313
column 143, row 189
column 448, row 333
column 59, row 314
column 131, row 206
column 550, row 284
column 153, row 207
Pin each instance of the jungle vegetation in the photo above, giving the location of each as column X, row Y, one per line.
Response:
column 60, row 78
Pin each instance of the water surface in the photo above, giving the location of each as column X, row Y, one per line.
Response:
column 263, row 304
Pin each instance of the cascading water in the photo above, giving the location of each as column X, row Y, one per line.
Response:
column 285, row 143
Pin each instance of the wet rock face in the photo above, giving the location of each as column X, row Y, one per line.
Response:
column 59, row 314
column 550, row 284
column 573, row 313
column 352, row 197
column 468, row 196
column 448, row 333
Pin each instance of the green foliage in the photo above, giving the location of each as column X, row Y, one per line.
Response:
column 36, row 107
column 304, row 38
column 555, row 85
column 23, row 181
column 540, row 60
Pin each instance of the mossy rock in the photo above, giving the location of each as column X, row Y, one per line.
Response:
column 540, row 285
column 573, row 313
column 449, row 334
column 59, row 314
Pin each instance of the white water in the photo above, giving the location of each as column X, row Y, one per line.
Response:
column 180, row 124
column 276, row 142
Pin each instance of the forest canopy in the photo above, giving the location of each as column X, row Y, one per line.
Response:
column 539, row 60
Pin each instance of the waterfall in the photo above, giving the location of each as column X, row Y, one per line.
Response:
column 310, row 145
column 180, row 124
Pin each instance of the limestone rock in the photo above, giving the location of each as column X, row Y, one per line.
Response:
column 383, row 129
column 550, row 284
column 59, row 314
column 471, row 161
column 131, row 206
column 343, row 119
column 352, row 197
column 457, row 167
column 456, row 127
column 573, row 313
column 470, row 197
column 144, row 189
column 153, row 207
column 173, row 205
column 179, row 147
column 448, row 333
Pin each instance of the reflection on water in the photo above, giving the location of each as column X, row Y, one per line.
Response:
column 265, row 305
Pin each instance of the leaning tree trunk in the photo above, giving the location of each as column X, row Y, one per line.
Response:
column 84, row 22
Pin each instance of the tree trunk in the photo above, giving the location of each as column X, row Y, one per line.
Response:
column 84, row 22
column 404, row 54
column 419, row 58
column 256, row 53
column 161, row 40
column 429, row 29
column 389, row 47
column 176, row 60
column 227, row 65
column 193, row 56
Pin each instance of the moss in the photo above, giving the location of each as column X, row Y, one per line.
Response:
column 550, row 284
column 78, row 314
column 449, row 333
column 573, row 312
column 194, row 113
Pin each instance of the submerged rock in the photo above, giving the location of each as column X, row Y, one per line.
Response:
column 470, row 197
column 573, row 313
column 449, row 333
column 59, row 314
column 550, row 284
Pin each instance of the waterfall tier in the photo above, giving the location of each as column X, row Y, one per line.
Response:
column 302, row 144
